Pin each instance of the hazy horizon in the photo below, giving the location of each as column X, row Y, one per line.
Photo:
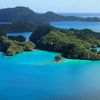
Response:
column 55, row 11
column 61, row 6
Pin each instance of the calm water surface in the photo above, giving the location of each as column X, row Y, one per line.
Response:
column 95, row 26
column 81, row 14
column 35, row 76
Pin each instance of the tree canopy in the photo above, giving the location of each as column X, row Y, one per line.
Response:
column 71, row 43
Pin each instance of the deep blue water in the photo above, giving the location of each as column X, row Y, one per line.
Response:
column 35, row 76
column 95, row 26
column 81, row 14
column 25, row 34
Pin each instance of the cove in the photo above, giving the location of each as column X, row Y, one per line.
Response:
column 35, row 76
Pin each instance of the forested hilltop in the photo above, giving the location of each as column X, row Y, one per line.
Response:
column 27, row 15
column 17, row 14
column 19, row 27
column 74, row 44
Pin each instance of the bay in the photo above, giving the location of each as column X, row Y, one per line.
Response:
column 35, row 76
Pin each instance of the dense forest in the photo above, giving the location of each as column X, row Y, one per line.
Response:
column 71, row 43
column 51, row 16
column 17, row 27
column 18, row 14
column 11, row 47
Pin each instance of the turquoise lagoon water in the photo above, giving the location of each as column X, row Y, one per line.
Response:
column 95, row 26
column 35, row 76
column 98, row 49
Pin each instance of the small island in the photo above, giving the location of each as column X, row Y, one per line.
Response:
column 58, row 58
column 12, row 47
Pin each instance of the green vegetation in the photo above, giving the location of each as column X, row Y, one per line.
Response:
column 58, row 58
column 19, row 38
column 17, row 27
column 74, row 44
column 12, row 47
column 23, row 14
column 74, row 51
column 51, row 16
